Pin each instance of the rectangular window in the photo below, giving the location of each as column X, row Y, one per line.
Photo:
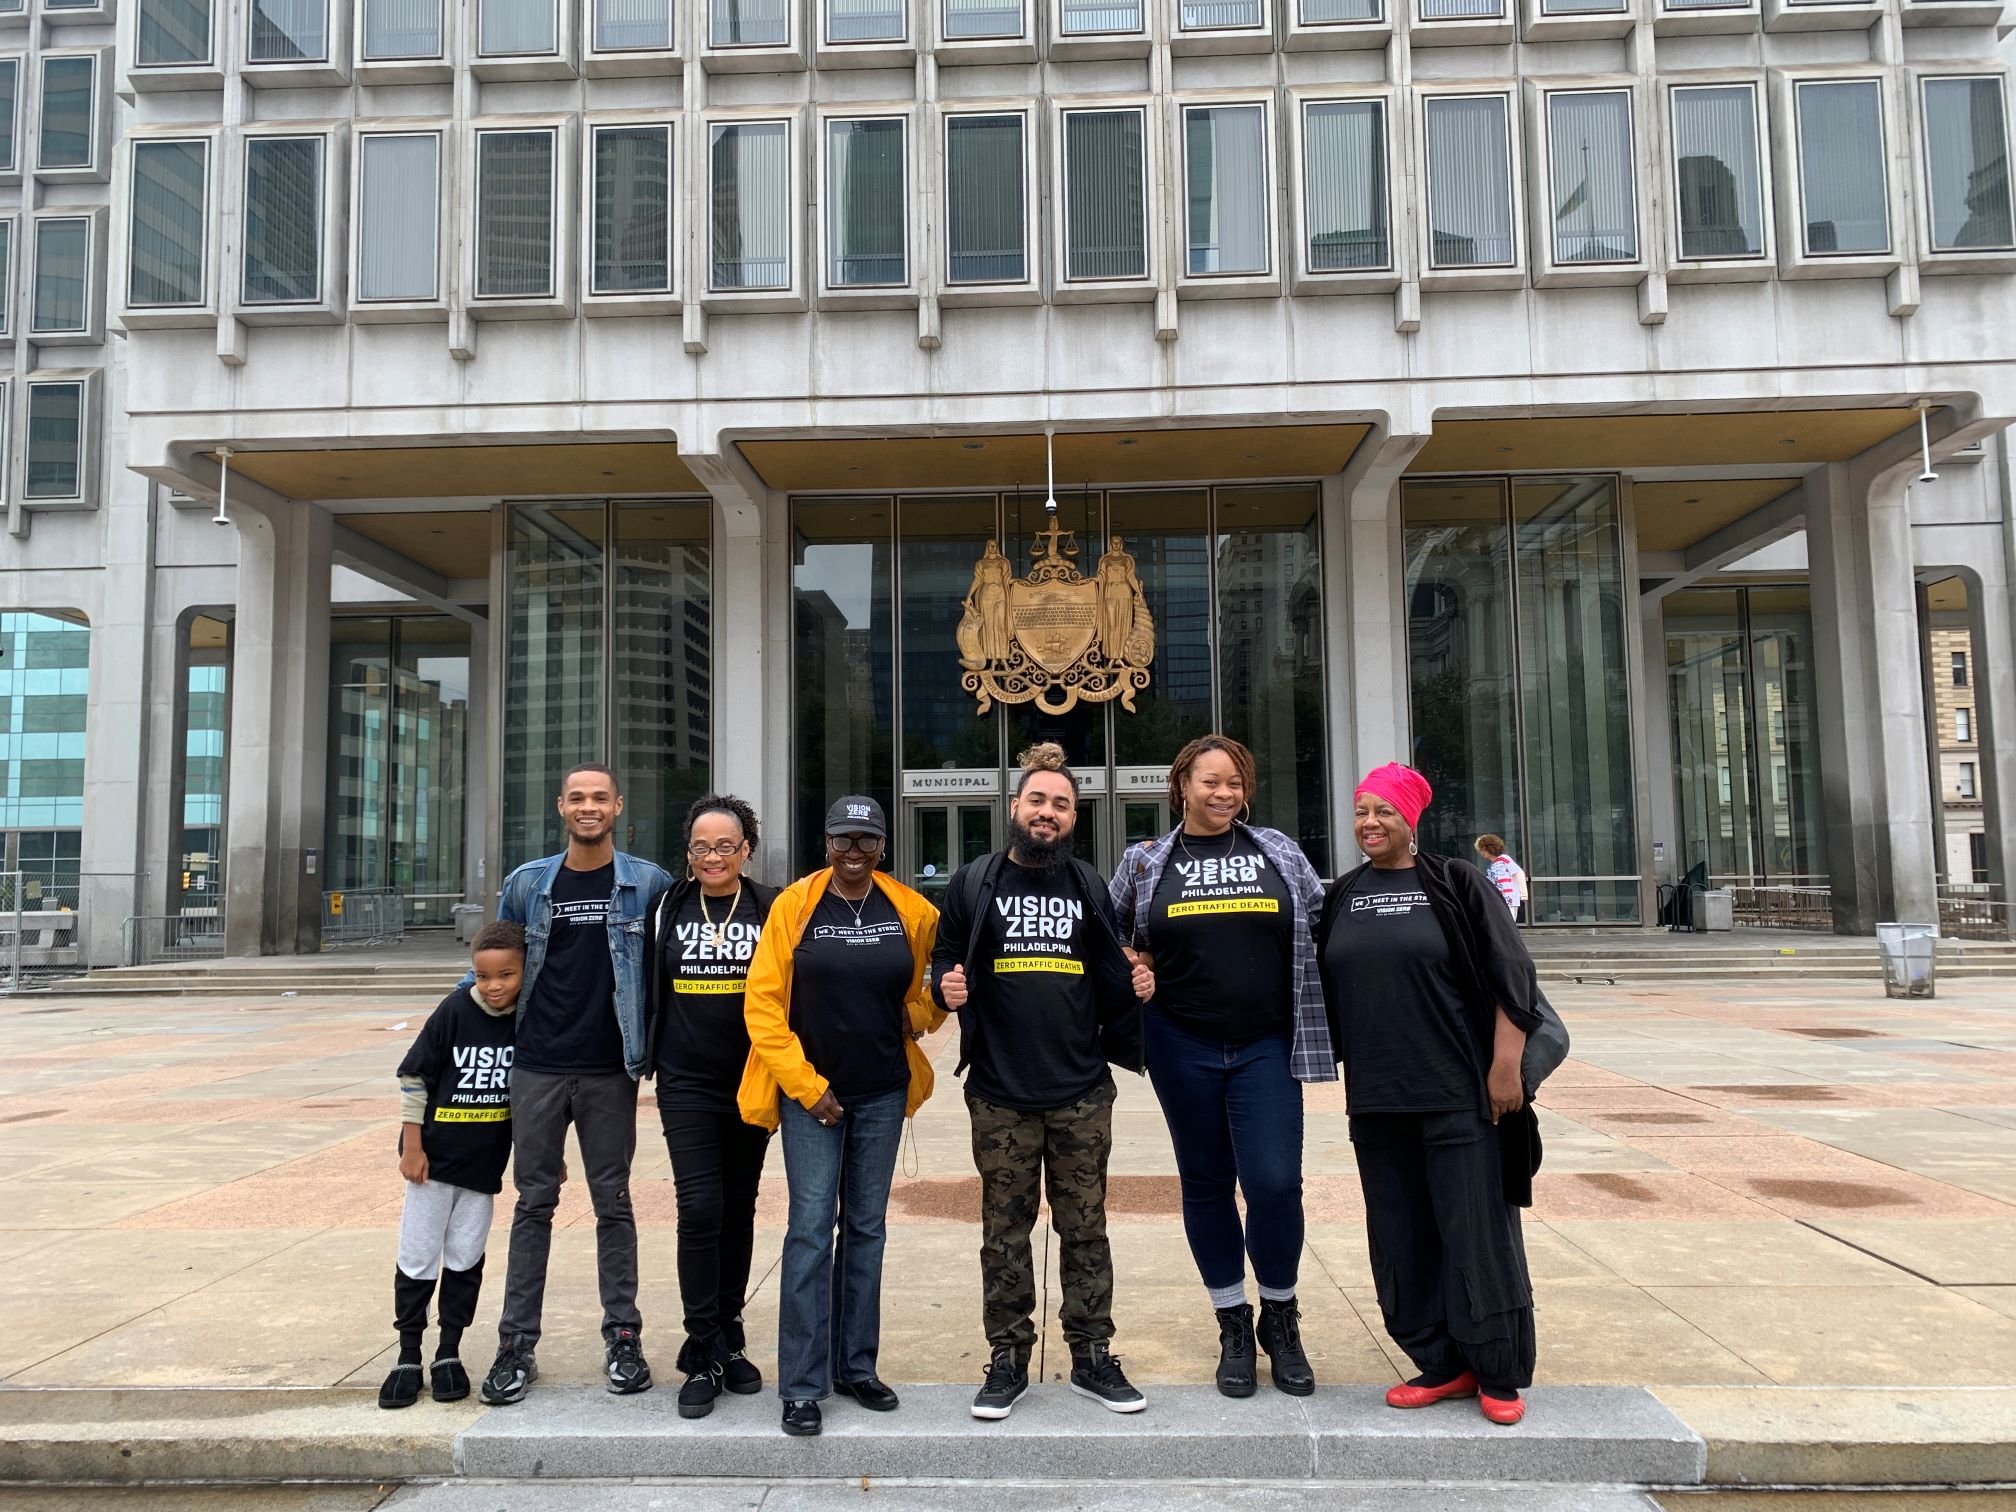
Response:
column 866, row 231
column 1105, row 195
column 1216, row 15
column 283, row 220
column 514, row 214
column 62, row 271
column 397, row 30
column 517, row 28
column 633, row 210
column 982, row 18
column 1085, row 18
column 1594, row 176
column 1718, row 173
column 1959, row 669
column 55, row 440
column 171, row 33
column 1842, row 188
column 864, row 20
column 168, row 219
column 10, row 110
column 1344, row 185
column 1581, row 7
column 1965, row 784
column 69, row 112
column 1469, row 182
column 1225, row 177
column 748, row 23
column 6, row 276
column 289, row 31
column 751, row 205
column 1963, row 725
column 398, row 214
column 1462, row 10
column 1967, row 164
column 1327, row 12
column 633, row 25
column 986, row 199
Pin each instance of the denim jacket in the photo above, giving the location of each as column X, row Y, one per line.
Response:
column 527, row 898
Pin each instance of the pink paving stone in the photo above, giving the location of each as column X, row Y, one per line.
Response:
column 1688, row 1120
column 1779, row 1154
column 1673, row 1196
column 1583, row 1100
column 1898, row 1194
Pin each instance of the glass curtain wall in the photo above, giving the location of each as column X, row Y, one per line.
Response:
column 1519, row 680
column 203, row 718
column 608, row 656
column 1746, row 762
column 45, row 684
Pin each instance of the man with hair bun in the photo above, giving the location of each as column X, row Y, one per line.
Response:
column 1029, row 957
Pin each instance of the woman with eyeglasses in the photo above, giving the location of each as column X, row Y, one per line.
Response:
column 835, row 1005
column 698, row 942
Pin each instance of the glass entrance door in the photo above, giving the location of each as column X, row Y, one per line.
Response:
column 940, row 836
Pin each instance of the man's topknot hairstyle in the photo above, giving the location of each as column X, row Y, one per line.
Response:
column 1044, row 756
column 737, row 809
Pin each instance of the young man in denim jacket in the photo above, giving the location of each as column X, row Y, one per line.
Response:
column 579, row 1056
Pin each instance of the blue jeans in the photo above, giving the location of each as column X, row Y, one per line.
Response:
column 1235, row 1118
column 829, row 1299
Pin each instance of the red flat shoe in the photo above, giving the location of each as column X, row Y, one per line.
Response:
column 1505, row 1410
column 1408, row 1395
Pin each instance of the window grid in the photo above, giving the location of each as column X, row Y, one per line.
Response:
column 1228, row 203
column 850, row 22
column 172, row 34
column 398, row 189
column 1963, row 726
column 986, row 219
column 749, row 23
column 168, row 213
column 1718, row 172
column 516, row 209
column 288, row 31
column 1842, row 212
column 631, row 237
column 867, row 203
column 54, row 467
column 1470, row 192
column 1592, row 176
column 69, row 112
column 517, row 28
column 632, row 26
column 1966, row 158
column 749, row 233
column 6, row 284
column 1345, row 210
column 1095, row 18
column 283, row 220
column 1105, row 190
column 1339, row 12
column 977, row 20
column 10, row 114
column 402, row 31
column 61, row 303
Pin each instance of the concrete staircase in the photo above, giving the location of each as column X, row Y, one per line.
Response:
column 1743, row 955
column 333, row 974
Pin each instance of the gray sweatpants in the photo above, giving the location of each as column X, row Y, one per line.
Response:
column 441, row 1225
column 603, row 1111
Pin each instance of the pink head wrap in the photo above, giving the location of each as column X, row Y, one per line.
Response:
column 1403, row 787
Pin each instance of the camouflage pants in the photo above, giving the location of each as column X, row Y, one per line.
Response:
column 1066, row 1150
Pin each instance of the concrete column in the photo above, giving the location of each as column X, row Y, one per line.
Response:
column 279, row 727
column 1870, row 698
column 1993, row 674
column 1661, row 824
column 478, row 885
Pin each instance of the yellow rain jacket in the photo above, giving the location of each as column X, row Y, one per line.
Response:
column 777, row 1060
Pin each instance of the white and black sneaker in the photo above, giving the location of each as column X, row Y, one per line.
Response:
column 1007, row 1379
column 628, row 1373
column 514, row 1369
column 1097, row 1374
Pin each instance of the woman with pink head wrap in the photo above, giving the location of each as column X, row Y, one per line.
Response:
column 1431, row 996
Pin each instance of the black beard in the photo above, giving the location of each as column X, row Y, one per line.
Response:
column 1037, row 855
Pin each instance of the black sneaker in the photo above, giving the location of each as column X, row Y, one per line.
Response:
column 628, row 1373
column 1097, row 1374
column 514, row 1369
column 1236, row 1376
column 401, row 1387
column 1007, row 1379
column 1280, row 1334
column 801, row 1419
column 447, row 1380
column 739, row 1376
column 696, row 1396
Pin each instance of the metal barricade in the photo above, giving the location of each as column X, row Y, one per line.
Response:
column 362, row 916
column 1972, row 911
column 52, row 928
column 153, row 939
column 1783, row 907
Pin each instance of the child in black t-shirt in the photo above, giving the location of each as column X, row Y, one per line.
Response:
column 454, row 1138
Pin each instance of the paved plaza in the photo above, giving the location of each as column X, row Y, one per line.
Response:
column 1746, row 1186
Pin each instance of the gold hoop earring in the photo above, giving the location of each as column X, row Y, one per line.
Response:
column 1245, row 813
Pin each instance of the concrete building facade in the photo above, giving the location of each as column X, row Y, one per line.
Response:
column 642, row 378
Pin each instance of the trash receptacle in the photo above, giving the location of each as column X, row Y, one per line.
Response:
column 1714, row 908
column 468, row 919
column 1908, row 952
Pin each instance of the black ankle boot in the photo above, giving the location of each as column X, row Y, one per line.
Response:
column 1280, row 1334
column 1235, row 1351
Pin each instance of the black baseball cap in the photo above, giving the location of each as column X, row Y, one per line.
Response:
column 857, row 814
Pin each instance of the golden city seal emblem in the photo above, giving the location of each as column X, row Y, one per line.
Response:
column 1056, row 636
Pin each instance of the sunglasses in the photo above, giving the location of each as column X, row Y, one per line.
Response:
column 866, row 844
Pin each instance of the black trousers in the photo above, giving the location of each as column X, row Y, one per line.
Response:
column 1448, row 1258
column 717, row 1164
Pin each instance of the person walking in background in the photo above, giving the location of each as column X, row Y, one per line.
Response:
column 580, row 1053
column 1432, row 994
column 1507, row 875
column 1223, row 913
column 834, row 1006
column 701, row 937
column 454, row 1138
column 1028, row 957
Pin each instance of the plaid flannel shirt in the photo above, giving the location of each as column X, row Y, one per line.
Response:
column 1312, row 1057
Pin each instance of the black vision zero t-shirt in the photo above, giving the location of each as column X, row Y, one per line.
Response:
column 568, row 1024
column 464, row 1055
column 1406, row 1033
column 1036, row 1046
column 704, row 1044
column 849, row 979
column 1221, row 928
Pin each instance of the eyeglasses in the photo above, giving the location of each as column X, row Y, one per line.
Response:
column 699, row 850
column 866, row 844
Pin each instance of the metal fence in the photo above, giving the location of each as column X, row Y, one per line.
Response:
column 153, row 939
column 1972, row 911
column 363, row 916
column 1783, row 907
column 51, row 928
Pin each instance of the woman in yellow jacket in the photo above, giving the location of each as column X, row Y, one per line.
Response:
column 835, row 1005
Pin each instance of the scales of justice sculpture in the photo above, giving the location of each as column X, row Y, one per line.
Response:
column 1056, row 636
